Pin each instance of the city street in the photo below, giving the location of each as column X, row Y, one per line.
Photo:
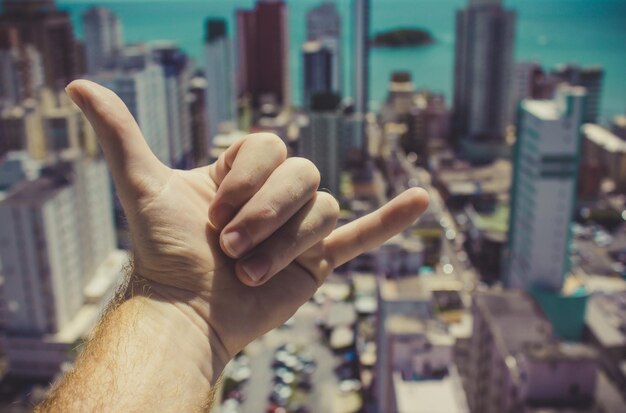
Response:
column 418, row 177
column 303, row 333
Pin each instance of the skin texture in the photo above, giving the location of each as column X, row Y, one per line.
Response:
column 222, row 254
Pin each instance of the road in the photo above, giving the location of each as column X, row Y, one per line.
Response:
column 303, row 333
column 450, row 247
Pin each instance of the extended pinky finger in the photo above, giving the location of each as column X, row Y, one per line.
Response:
column 311, row 224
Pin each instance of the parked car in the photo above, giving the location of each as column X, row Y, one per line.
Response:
column 347, row 386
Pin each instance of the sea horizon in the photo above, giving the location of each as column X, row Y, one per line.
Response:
column 549, row 32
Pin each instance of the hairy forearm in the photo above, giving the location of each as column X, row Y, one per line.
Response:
column 149, row 353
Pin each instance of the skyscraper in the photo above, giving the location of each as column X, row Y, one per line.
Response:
column 323, row 22
column 516, row 364
column 56, row 238
column 361, row 55
column 588, row 77
column 199, row 123
column 320, row 139
column 543, row 191
column 483, row 65
column 427, row 125
column 21, row 71
column 176, row 70
column 618, row 126
column 50, row 30
column 606, row 150
column 47, row 127
column 103, row 37
column 262, row 54
column 220, row 99
column 21, row 128
column 320, row 69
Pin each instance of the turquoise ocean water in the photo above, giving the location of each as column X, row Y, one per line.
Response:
column 549, row 31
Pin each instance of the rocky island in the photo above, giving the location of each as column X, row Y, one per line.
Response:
column 403, row 37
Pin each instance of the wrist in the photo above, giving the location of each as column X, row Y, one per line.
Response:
column 183, row 316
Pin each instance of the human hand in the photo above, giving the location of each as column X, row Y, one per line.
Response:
column 181, row 223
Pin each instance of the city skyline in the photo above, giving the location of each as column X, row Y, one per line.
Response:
column 544, row 34
column 501, row 298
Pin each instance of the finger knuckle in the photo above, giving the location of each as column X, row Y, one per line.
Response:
column 330, row 207
column 307, row 170
column 267, row 213
column 270, row 140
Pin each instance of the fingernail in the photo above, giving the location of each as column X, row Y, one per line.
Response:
column 76, row 98
column 221, row 214
column 255, row 267
column 234, row 243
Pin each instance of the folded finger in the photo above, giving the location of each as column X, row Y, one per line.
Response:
column 308, row 227
column 241, row 171
column 287, row 190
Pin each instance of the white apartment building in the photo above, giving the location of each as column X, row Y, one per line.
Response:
column 58, row 263
column 544, row 189
column 103, row 37
column 608, row 150
column 320, row 141
column 220, row 92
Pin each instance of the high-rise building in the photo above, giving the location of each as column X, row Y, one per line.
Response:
column 588, row 77
column 323, row 21
column 220, row 87
column 361, row 10
column 543, row 191
column 516, row 364
column 59, row 263
column 176, row 71
column 361, row 20
column 21, row 70
column 21, row 129
column 483, row 66
column 199, row 122
column 45, row 128
column 320, row 139
column 530, row 81
column 618, row 126
column 321, row 73
column 608, row 152
column 103, row 37
column 400, row 95
column 413, row 347
column 140, row 83
column 427, row 125
column 50, row 31
column 263, row 54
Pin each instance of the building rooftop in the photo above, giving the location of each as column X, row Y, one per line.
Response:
column 429, row 396
column 417, row 288
column 515, row 320
column 497, row 222
column 604, row 138
column 560, row 351
column 552, row 110
column 620, row 120
column 404, row 324
column 494, row 178
column 606, row 318
column 36, row 192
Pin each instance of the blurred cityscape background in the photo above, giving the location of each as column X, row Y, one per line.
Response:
column 508, row 295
